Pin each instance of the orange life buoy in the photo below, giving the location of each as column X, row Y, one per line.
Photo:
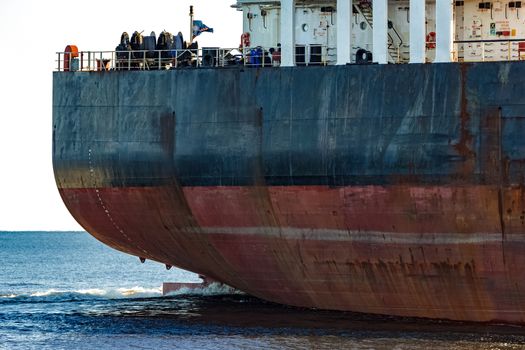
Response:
column 70, row 52
column 431, row 40
column 245, row 40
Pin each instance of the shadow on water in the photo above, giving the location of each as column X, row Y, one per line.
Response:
column 233, row 321
column 246, row 315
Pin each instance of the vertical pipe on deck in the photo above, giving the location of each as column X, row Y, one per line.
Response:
column 380, row 31
column 287, row 33
column 444, row 32
column 344, row 28
column 418, row 31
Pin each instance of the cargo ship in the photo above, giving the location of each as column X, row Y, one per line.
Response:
column 349, row 155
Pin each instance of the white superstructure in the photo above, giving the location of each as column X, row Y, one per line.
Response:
column 387, row 31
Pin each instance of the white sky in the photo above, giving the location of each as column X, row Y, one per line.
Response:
column 32, row 31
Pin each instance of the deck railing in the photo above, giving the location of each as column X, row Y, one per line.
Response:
column 489, row 50
column 197, row 58
column 306, row 55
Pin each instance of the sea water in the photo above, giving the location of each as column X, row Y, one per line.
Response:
column 65, row 290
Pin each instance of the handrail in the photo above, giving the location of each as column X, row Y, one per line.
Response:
column 487, row 41
column 507, row 50
column 197, row 58
column 398, row 35
column 367, row 3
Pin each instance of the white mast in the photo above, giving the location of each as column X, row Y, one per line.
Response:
column 191, row 24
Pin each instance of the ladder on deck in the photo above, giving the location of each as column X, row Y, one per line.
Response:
column 396, row 56
column 365, row 6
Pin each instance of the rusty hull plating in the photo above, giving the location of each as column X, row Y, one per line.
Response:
column 381, row 189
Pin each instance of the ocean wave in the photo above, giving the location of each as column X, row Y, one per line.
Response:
column 8, row 296
column 136, row 292
column 56, row 295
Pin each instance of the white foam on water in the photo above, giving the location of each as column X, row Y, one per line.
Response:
column 210, row 289
column 140, row 292
column 8, row 296
column 93, row 291
column 45, row 293
column 110, row 293
column 120, row 293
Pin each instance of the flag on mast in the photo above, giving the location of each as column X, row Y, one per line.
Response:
column 199, row 27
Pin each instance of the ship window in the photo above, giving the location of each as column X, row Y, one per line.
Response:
column 305, row 27
column 316, row 54
column 362, row 25
column 485, row 5
column 300, row 55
